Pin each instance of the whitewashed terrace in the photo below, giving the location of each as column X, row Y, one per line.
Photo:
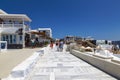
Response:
column 64, row 66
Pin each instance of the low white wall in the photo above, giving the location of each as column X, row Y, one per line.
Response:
column 23, row 69
column 103, row 64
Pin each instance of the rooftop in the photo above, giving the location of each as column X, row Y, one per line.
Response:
column 4, row 15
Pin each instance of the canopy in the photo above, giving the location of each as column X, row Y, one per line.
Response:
column 19, row 17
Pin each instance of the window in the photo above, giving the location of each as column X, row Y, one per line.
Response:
column 3, row 37
column 7, row 39
column 6, row 36
column 11, row 39
column 20, row 37
column 14, row 39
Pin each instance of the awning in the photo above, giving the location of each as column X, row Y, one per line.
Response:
column 20, row 17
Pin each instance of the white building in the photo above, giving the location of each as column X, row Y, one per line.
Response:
column 103, row 42
column 13, row 29
column 42, row 34
column 47, row 31
column 89, row 38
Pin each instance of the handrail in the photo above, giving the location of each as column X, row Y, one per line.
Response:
column 11, row 25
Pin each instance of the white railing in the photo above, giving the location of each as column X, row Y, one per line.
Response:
column 10, row 25
column 18, row 25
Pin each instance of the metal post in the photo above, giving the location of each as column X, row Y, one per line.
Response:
column 0, row 39
column 29, row 29
column 23, row 34
column 0, row 36
column 13, row 24
column 0, row 46
column 2, row 24
column 1, row 32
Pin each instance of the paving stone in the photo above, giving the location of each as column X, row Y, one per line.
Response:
column 65, row 66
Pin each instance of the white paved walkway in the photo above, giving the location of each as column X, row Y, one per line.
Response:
column 64, row 66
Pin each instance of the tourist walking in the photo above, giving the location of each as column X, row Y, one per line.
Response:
column 57, row 45
column 51, row 44
column 33, row 43
column 61, row 46
column 115, row 49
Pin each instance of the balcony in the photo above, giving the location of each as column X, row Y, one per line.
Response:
column 11, row 25
column 12, row 28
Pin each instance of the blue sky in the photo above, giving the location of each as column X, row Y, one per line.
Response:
column 97, row 18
